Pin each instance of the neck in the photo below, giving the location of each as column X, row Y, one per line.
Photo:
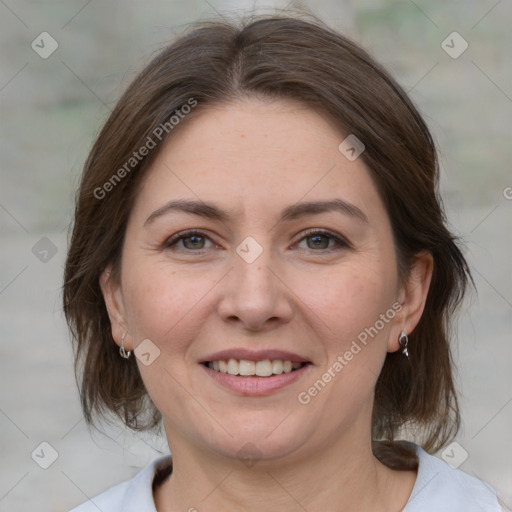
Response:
column 343, row 475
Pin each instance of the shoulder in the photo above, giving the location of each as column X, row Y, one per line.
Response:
column 133, row 495
column 442, row 488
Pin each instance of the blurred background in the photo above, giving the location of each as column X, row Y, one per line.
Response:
column 62, row 67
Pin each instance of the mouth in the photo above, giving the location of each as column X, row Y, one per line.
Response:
column 251, row 373
column 247, row 368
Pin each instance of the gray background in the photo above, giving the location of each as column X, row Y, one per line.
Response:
column 52, row 108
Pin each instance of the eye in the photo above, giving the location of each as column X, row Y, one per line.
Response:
column 316, row 240
column 323, row 241
column 191, row 241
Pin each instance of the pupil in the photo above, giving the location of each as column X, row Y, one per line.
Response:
column 318, row 238
column 195, row 240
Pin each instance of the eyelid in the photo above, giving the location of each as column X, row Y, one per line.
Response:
column 180, row 235
column 340, row 241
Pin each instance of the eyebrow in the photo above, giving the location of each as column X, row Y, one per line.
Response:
column 293, row 212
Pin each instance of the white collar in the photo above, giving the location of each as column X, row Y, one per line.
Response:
column 438, row 487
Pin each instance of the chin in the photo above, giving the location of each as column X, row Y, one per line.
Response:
column 266, row 438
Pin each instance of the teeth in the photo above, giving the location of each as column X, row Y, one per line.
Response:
column 277, row 367
column 247, row 367
column 233, row 367
column 264, row 368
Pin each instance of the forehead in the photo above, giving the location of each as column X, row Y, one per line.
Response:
column 251, row 155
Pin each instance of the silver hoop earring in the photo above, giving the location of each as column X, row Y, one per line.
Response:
column 403, row 340
column 122, row 351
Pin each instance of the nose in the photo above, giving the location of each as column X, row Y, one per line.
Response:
column 255, row 294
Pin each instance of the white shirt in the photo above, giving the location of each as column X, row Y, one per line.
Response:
column 438, row 488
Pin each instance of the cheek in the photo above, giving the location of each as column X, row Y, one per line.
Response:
column 161, row 302
column 351, row 299
column 164, row 305
column 353, row 337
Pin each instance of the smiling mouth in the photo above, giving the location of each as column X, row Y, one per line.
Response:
column 246, row 368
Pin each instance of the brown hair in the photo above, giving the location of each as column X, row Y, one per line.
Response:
column 275, row 57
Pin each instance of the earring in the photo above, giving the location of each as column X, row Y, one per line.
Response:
column 122, row 351
column 403, row 340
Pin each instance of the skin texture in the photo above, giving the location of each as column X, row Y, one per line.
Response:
column 306, row 295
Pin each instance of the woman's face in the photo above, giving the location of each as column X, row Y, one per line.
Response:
column 271, row 274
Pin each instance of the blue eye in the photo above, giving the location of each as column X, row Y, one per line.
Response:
column 320, row 241
column 192, row 240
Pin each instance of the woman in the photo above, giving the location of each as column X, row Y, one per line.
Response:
column 259, row 262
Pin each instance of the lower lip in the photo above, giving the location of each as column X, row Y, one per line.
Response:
column 254, row 385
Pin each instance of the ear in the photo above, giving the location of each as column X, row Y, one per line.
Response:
column 113, row 296
column 412, row 296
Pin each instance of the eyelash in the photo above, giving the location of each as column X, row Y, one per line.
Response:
column 340, row 243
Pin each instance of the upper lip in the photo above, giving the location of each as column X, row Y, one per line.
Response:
column 252, row 355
